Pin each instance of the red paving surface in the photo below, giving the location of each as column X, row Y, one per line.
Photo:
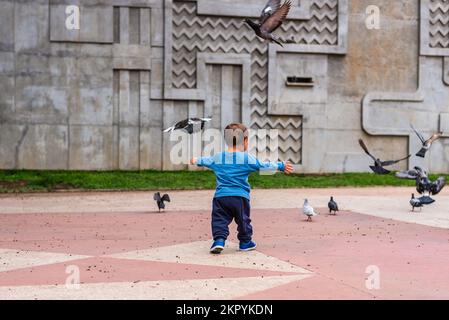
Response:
column 413, row 259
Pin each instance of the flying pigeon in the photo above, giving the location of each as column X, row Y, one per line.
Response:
column 271, row 18
column 407, row 174
column 426, row 144
column 191, row 125
column 426, row 200
column 378, row 164
column 161, row 200
column 425, row 186
column 415, row 203
column 333, row 206
column 308, row 210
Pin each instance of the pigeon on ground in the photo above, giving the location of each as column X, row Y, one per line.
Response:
column 191, row 125
column 161, row 200
column 415, row 203
column 426, row 144
column 425, row 186
column 333, row 206
column 271, row 18
column 308, row 210
column 378, row 164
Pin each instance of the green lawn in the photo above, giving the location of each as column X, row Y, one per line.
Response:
column 30, row 181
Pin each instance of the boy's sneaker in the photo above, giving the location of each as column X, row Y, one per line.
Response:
column 217, row 246
column 247, row 246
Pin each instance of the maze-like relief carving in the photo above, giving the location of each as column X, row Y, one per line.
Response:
column 192, row 34
column 439, row 24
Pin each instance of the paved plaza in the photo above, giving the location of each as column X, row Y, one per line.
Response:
column 117, row 246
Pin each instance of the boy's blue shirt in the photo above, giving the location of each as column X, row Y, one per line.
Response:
column 232, row 171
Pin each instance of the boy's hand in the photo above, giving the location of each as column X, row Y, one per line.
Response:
column 194, row 161
column 288, row 167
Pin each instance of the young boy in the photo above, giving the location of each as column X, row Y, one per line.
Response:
column 232, row 200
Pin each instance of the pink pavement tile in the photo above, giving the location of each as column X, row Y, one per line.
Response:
column 101, row 233
column 105, row 269
column 413, row 259
column 314, row 288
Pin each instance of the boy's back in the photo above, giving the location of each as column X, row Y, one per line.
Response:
column 231, row 200
column 232, row 170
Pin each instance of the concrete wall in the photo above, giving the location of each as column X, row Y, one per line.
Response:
column 99, row 97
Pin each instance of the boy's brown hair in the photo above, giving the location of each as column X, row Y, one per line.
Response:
column 235, row 134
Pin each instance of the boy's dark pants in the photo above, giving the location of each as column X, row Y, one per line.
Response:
column 224, row 210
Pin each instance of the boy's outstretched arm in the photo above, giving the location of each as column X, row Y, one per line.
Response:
column 202, row 162
column 285, row 167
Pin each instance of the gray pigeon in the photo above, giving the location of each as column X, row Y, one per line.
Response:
column 426, row 144
column 161, row 200
column 415, row 203
column 333, row 206
column 379, row 165
column 407, row 174
column 308, row 210
column 425, row 186
column 191, row 125
column 271, row 18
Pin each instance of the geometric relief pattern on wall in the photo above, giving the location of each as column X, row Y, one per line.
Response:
column 439, row 24
column 434, row 28
column 289, row 138
column 193, row 34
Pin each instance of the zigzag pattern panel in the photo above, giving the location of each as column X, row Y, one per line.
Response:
column 289, row 138
column 439, row 24
column 192, row 34
column 321, row 29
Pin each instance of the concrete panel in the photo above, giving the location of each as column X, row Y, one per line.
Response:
column 157, row 78
column 145, row 27
column 96, row 23
column 151, row 135
column 6, row 26
column 129, row 149
column 132, row 57
column 150, row 148
column 44, row 147
column 45, row 87
column 212, row 106
column 11, row 139
column 90, row 148
column 157, row 27
column 444, row 123
column 7, row 85
column 31, row 26
column 92, row 100
column 294, row 65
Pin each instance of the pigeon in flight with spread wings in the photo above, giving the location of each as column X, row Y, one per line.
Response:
column 425, row 186
column 379, row 165
column 426, row 144
column 161, row 200
column 191, row 125
column 271, row 18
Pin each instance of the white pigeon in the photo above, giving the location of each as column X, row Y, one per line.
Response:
column 308, row 210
